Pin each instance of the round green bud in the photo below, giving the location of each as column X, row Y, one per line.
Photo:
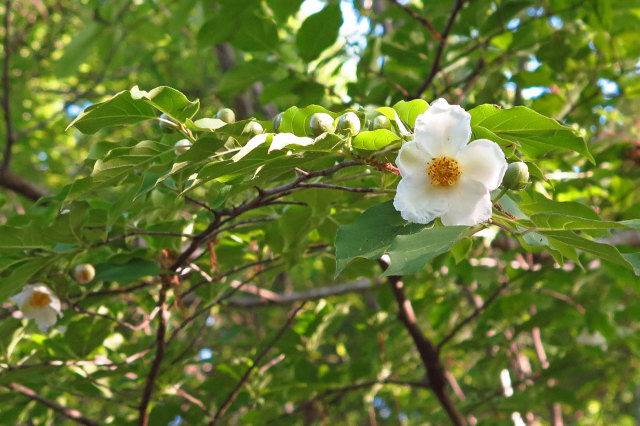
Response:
column 166, row 124
column 182, row 146
column 381, row 122
column 84, row 273
column 226, row 115
column 349, row 123
column 252, row 128
column 320, row 123
column 276, row 121
column 516, row 176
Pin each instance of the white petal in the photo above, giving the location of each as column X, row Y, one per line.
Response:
column 469, row 204
column 483, row 160
column 281, row 140
column 23, row 296
column 443, row 129
column 419, row 202
column 412, row 162
column 45, row 318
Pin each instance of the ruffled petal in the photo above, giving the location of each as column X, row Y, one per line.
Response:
column 412, row 162
column 45, row 318
column 443, row 129
column 483, row 160
column 469, row 204
column 417, row 202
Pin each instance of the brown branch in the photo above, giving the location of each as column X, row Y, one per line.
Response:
column 421, row 19
column 435, row 66
column 22, row 186
column 143, row 418
column 69, row 413
column 6, row 85
column 477, row 311
column 234, row 393
column 428, row 351
column 264, row 198
column 274, row 299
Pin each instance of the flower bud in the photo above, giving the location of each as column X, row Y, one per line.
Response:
column 349, row 123
column 181, row 146
column 516, row 176
column 252, row 128
column 226, row 115
column 165, row 124
column 321, row 122
column 84, row 273
column 381, row 122
column 276, row 121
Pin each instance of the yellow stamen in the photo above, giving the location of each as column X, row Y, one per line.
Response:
column 443, row 171
column 39, row 300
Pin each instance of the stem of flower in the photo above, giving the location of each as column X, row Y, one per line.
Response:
column 500, row 195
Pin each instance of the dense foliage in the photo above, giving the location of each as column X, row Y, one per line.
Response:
column 244, row 260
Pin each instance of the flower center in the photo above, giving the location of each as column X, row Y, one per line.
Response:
column 39, row 300
column 443, row 171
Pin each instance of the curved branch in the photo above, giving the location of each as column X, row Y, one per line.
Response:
column 69, row 413
column 435, row 66
column 428, row 351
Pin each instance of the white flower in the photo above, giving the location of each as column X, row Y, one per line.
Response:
column 445, row 176
column 37, row 301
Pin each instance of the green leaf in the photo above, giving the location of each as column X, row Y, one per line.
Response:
column 409, row 111
column 169, row 101
column 127, row 272
column 534, row 133
column 119, row 166
column 374, row 140
column 117, row 110
column 409, row 253
column 86, row 334
column 370, row 235
column 603, row 251
column 257, row 33
column 318, row 32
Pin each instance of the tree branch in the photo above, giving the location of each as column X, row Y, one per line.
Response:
column 6, row 85
column 234, row 393
column 428, row 351
column 421, row 19
column 22, row 186
column 269, row 298
column 477, row 311
column 143, row 418
column 69, row 413
column 435, row 66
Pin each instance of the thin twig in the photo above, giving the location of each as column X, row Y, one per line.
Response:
column 69, row 413
column 421, row 19
column 274, row 299
column 330, row 186
column 477, row 311
column 435, row 65
column 234, row 393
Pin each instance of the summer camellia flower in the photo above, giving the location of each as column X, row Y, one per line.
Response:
column 37, row 301
column 445, row 176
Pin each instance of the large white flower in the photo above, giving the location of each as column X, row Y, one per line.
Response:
column 37, row 301
column 445, row 176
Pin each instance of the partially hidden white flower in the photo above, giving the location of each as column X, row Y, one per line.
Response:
column 37, row 301
column 445, row 176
